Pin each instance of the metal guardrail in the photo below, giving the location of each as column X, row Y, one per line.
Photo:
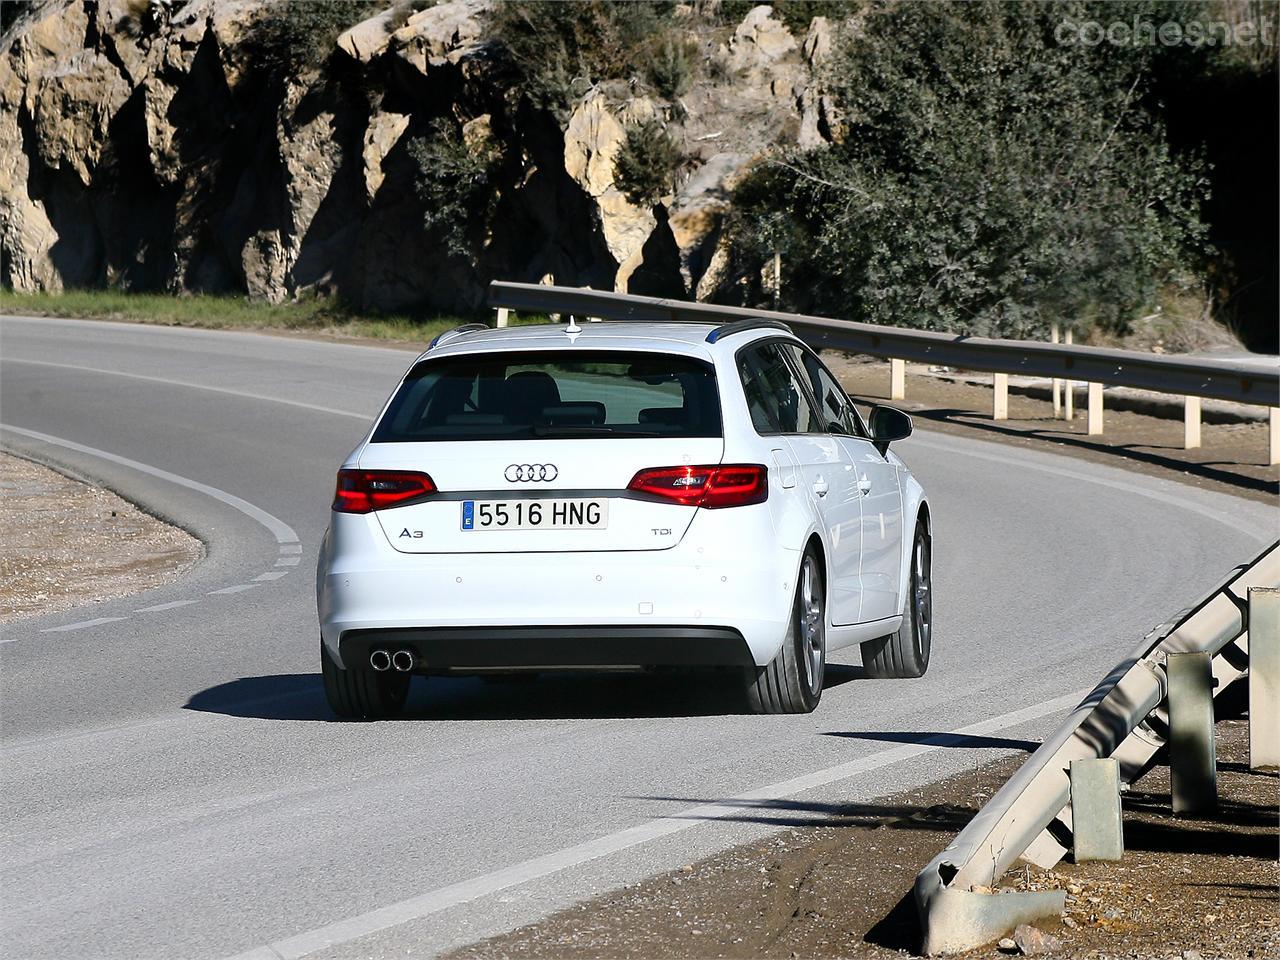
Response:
column 1124, row 718
column 1241, row 382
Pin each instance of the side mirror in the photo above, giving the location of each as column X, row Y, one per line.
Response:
column 888, row 424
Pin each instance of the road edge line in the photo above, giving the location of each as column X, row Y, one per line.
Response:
column 435, row 901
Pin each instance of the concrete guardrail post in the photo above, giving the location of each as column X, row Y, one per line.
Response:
column 1069, row 387
column 1000, row 400
column 502, row 316
column 897, row 379
column 1264, row 677
column 1273, row 436
column 1193, row 761
column 1191, row 424
column 1097, row 826
column 1095, row 409
column 1054, row 337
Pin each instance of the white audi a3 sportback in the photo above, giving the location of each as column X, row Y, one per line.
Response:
column 637, row 494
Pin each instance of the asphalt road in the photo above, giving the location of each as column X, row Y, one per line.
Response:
column 174, row 786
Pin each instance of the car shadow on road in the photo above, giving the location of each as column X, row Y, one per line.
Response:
column 550, row 696
column 789, row 812
column 962, row 740
column 288, row 696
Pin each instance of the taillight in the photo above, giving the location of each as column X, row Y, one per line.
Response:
column 362, row 491
column 721, row 485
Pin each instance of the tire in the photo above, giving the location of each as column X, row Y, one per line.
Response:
column 362, row 694
column 905, row 654
column 792, row 681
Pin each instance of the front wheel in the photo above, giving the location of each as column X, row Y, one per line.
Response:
column 792, row 681
column 362, row 694
column 905, row 654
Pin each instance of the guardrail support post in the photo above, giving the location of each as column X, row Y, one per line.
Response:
column 1054, row 336
column 1193, row 768
column 1095, row 409
column 502, row 316
column 1264, row 677
column 1068, row 388
column 1097, row 827
column 1191, row 424
column 1273, row 436
column 897, row 379
column 1000, row 402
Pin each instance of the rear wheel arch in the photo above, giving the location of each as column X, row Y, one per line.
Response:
column 815, row 542
column 792, row 681
column 924, row 517
column 905, row 652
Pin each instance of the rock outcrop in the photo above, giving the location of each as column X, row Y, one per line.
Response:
column 160, row 148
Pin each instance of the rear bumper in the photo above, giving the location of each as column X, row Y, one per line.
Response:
column 727, row 576
column 442, row 649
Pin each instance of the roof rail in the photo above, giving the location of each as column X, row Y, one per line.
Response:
column 448, row 335
column 741, row 326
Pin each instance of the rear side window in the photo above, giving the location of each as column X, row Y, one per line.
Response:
column 775, row 398
column 550, row 394
column 836, row 408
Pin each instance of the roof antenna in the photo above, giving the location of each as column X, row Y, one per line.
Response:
column 573, row 326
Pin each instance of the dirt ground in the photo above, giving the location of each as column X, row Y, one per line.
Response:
column 1232, row 458
column 64, row 543
column 1188, row 888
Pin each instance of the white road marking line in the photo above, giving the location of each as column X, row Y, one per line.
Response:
column 279, row 529
column 435, row 901
column 81, row 625
column 367, row 417
column 238, row 588
column 288, row 561
column 272, row 575
column 291, row 548
column 166, row 606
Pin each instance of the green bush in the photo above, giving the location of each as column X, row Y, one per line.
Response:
column 991, row 180
column 672, row 66
column 299, row 35
column 796, row 14
column 561, row 50
column 646, row 163
column 456, row 183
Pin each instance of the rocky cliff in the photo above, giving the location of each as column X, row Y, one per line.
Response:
column 157, row 147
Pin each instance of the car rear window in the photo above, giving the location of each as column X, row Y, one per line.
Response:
column 553, row 394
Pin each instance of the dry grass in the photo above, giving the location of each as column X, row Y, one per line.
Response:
column 319, row 316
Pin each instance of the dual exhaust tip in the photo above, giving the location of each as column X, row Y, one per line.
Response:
column 401, row 660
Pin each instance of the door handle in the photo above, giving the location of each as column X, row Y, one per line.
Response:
column 864, row 485
column 820, row 487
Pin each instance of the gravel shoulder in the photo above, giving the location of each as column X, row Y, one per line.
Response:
column 66, row 543
column 1232, row 458
column 1187, row 887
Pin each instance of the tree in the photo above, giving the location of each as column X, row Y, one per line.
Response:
column 457, row 184
column 645, row 165
column 990, row 178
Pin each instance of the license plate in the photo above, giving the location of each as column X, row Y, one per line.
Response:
column 535, row 514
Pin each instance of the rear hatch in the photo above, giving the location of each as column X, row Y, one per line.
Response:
column 533, row 450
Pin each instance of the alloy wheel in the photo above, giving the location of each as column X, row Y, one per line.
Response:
column 811, row 622
column 922, row 599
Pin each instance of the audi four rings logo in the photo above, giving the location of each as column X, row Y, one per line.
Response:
column 531, row 472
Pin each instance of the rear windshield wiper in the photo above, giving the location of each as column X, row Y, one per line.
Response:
column 589, row 430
